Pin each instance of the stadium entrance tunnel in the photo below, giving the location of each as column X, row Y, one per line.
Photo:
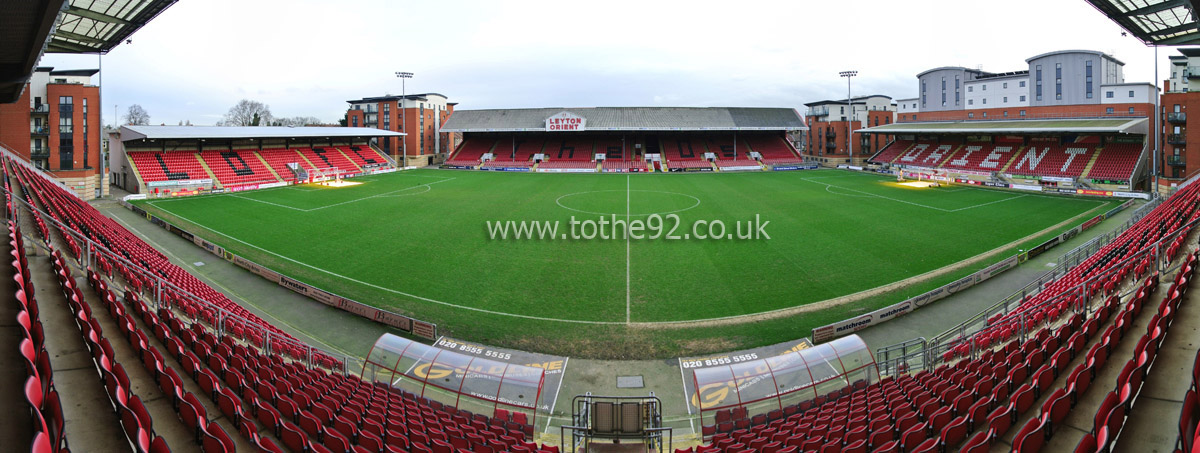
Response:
column 465, row 382
column 787, row 383
column 633, row 203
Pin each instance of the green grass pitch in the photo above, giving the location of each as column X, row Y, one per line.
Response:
column 417, row 243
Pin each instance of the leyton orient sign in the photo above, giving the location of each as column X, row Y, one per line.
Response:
column 566, row 121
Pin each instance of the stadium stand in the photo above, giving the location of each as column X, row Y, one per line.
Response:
column 1116, row 161
column 266, row 390
column 363, row 156
column 1189, row 413
column 981, row 157
column 567, row 164
column 723, row 147
column 525, row 149
column 237, row 167
column 611, row 147
column 169, row 166
column 772, row 148
column 623, row 165
column 927, row 154
column 726, row 163
column 579, row 149
column 689, row 164
column 328, row 157
column 991, row 379
column 471, row 151
column 1052, row 160
column 890, row 152
column 507, row 163
column 279, row 158
column 683, row 148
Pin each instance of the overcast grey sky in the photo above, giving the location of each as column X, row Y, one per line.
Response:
column 307, row 57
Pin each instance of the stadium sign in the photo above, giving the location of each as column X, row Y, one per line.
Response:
column 1026, row 187
column 180, row 182
column 1143, row 196
column 1100, row 193
column 566, row 121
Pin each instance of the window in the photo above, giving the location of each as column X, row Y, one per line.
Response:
column 1022, row 98
column 1006, row 99
column 970, row 102
column 1006, row 113
column 1108, row 110
column 1088, row 78
column 970, row 115
column 984, row 87
column 943, row 84
column 956, row 82
column 1038, row 82
column 984, row 101
column 1021, row 84
column 943, row 98
column 971, row 89
column 65, row 125
column 1108, row 94
column 1021, row 113
column 985, row 114
column 1005, row 85
column 1176, row 108
column 1131, row 110
column 1130, row 93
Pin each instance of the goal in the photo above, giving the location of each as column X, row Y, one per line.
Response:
column 326, row 175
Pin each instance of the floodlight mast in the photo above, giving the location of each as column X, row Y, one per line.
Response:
column 403, row 124
column 849, row 119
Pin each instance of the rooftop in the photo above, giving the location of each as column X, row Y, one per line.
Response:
column 130, row 133
column 630, row 119
column 1154, row 22
column 1098, row 125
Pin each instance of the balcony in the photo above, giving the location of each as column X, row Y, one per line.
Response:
column 39, row 153
column 829, row 133
column 830, row 145
column 43, row 130
column 818, row 111
column 1176, row 139
column 42, row 109
column 1177, row 117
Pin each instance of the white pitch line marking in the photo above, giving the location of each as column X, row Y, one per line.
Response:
column 827, row 186
column 385, row 194
column 628, row 309
column 687, row 398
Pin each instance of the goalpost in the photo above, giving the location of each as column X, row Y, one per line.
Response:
column 326, row 175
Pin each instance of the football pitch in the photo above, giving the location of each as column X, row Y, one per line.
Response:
column 419, row 243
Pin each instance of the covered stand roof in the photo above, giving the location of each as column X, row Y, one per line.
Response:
column 1154, row 22
column 131, row 133
column 771, row 383
column 463, row 381
column 631, row 119
column 30, row 28
column 1106, row 125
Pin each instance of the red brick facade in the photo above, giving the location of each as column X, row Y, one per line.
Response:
column 1180, row 144
column 827, row 139
column 17, row 130
column 420, row 141
column 1052, row 111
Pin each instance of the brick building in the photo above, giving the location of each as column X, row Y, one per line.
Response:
column 425, row 114
column 55, row 125
column 829, row 122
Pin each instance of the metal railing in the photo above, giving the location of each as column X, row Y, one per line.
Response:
column 1177, row 117
column 160, row 287
column 921, row 354
column 43, row 130
column 1176, row 139
column 1177, row 160
column 40, row 109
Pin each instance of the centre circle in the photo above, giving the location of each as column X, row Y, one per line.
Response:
column 627, row 202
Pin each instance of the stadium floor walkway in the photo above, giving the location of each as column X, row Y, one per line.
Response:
column 960, row 306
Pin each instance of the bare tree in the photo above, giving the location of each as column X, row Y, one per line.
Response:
column 248, row 113
column 297, row 121
column 137, row 116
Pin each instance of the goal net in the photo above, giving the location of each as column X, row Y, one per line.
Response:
column 326, row 175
